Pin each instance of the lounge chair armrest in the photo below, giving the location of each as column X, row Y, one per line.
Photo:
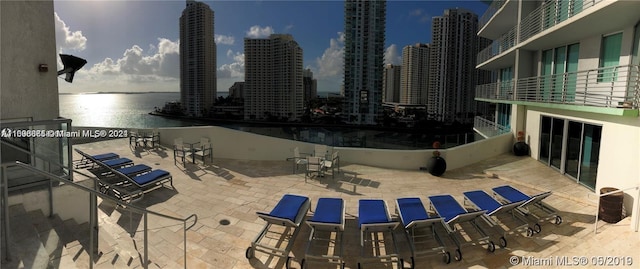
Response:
column 276, row 220
column 466, row 217
column 378, row 227
column 323, row 226
column 536, row 198
column 422, row 223
column 505, row 208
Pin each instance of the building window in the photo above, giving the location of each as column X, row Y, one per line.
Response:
column 609, row 57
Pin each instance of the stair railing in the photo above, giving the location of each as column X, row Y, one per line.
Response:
column 187, row 223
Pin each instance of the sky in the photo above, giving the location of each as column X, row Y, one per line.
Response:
column 133, row 46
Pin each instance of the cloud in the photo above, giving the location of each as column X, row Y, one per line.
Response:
column 420, row 14
column 288, row 28
column 331, row 63
column 67, row 39
column 234, row 69
column 259, row 32
column 392, row 56
column 137, row 66
column 225, row 40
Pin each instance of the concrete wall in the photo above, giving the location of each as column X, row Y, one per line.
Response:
column 233, row 144
column 27, row 39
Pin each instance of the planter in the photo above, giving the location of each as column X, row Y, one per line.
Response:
column 520, row 149
column 437, row 166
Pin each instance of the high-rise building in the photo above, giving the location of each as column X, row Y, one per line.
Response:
column 415, row 76
column 363, row 60
column 198, row 88
column 452, row 74
column 391, row 83
column 236, row 91
column 567, row 85
column 310, row 85
column 273, row 78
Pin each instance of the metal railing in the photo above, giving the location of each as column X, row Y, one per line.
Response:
column 94, row 194
column 547, row 15
column 637, row 204
column 491, row 10
column 617, row 87
column 488, row 128
column 51, row 179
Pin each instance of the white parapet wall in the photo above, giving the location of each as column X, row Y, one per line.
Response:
column 234, row 144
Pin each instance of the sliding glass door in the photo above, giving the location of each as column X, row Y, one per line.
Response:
column 590, row 155
column 571, row 147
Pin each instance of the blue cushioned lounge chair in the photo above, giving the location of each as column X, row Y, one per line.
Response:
column 483, row 201
column 327, row 220
column 415, row 221
column 453, row 213
column 374, row 217
column 510, row 194
column 289, row 212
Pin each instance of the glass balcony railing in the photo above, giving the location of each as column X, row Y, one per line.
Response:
column 616, row 87
column 488, row 128
column 542, row 18
column 491, row 10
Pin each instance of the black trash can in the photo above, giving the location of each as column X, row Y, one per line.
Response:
column 610, row 209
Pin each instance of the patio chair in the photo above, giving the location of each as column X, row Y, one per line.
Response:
column 453, row 213
column 136, row 138
column 332, row 163
column 179, row 150
column 415, row 220
column 373, row 218
column 289, row 213
column 320, row 151
column 327, row 220
column 204, row 150
column 314, row 165
column 298, row 159
column 152, row 138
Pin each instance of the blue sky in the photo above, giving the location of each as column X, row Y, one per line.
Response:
column 133, row 45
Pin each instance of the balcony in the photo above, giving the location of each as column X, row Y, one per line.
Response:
column 491, row 11
column 487, row 128
column 500, row 16
column 574, row 20
column 610, row 90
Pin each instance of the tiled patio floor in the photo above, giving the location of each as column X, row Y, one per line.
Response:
column 226, row 194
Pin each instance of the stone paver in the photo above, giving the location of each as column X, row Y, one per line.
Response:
column 226, row 194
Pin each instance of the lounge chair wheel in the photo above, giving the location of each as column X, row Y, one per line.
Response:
column 103, row 189
column 529, row 232
column 458, row 256
column 249, row 253
column 342, row 265
column 446, row 257
column 503, row 242
column 537, row 228
column 287, row 263
column 558, row 220
column 491, row 247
